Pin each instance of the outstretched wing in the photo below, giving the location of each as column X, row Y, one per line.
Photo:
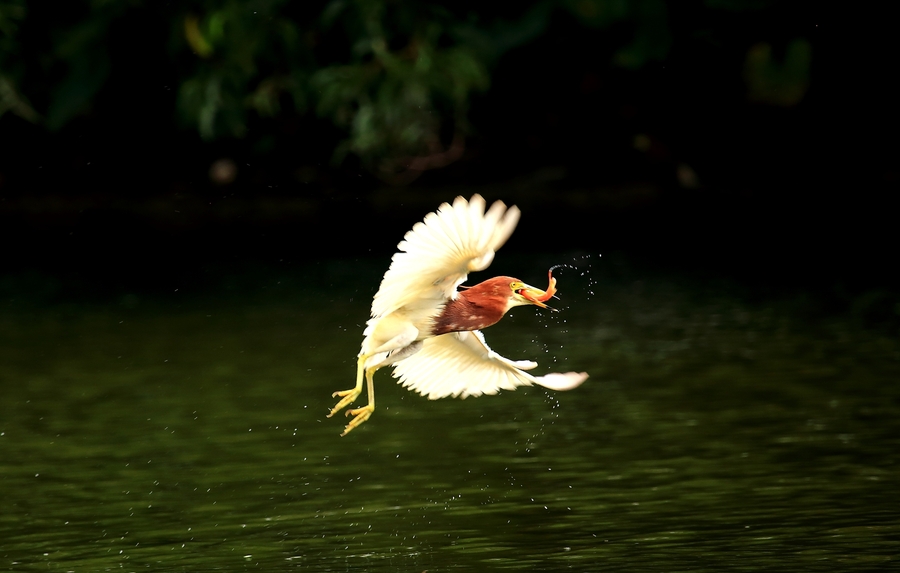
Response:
column 460, row 364
column 437, row 254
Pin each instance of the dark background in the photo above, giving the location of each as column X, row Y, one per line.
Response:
column 748, row 139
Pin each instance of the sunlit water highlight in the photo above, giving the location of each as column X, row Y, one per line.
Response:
column 716, row 433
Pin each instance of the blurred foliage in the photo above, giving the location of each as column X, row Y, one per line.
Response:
column 403, row 83
column 651, row 37
column 769, row 81
column 396, row 77
column 12, row 12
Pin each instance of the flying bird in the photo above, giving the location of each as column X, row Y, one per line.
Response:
column 429, row 331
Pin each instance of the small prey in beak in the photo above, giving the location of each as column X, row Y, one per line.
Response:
column 537, row 297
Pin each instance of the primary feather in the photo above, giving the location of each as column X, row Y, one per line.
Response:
column 437, row 255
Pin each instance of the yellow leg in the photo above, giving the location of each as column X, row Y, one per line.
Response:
column 360, row 415
column 348, row 396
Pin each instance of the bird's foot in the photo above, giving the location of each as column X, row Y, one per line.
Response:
column 347, row 397
column 360, row 415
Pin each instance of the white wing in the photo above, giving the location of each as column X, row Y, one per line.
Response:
column 461, row 364
column 437, row 254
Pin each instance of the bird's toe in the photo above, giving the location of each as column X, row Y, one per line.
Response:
column 360, row 415
column 348, row 396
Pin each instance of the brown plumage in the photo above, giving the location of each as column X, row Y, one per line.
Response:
column 474, row 308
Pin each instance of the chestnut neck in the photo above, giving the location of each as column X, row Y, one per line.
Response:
column 474, row 308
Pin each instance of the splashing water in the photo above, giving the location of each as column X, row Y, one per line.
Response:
column 583, row 264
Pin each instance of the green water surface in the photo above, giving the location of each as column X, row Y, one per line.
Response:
column 187, row 432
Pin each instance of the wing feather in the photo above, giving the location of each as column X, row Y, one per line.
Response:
column 460, row 364
column 438, row 253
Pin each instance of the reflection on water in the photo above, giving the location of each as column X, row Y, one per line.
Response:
column 190, row 434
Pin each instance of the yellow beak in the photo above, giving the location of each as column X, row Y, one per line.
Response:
column 536, row 296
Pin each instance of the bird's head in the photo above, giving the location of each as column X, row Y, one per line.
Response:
column 484, row 304
column 522, row 294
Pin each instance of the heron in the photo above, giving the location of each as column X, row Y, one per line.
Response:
column 428, row 327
